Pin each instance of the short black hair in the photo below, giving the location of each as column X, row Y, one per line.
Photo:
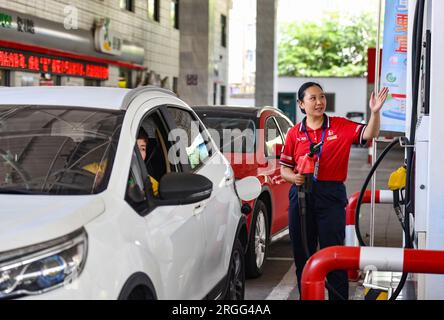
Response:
column 305, row 86
column 142, row 135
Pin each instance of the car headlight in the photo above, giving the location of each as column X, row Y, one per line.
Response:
column 39, row 268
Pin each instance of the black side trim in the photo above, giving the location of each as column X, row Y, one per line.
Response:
column 135, row 280
column 244, row 240
column 242, row 224
column 218, row 290
column 266, row 189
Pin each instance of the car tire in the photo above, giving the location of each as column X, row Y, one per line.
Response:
column 258, row 241
column 140, row 293
column 236, row 274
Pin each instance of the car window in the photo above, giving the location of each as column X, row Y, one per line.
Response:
column 284, row 125
column 149, row 163
column 189, row 134
column 157, row 147
column 135, row 193
column 272, row 136
column 57, row 150
column 231, row 134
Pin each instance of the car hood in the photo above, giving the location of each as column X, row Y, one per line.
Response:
column 27, row 219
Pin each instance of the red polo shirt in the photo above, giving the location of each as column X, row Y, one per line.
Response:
column 340, row 134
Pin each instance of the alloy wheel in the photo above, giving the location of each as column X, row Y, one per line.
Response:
column 260, row 238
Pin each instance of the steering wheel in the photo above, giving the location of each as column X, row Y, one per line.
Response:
column 61, row 172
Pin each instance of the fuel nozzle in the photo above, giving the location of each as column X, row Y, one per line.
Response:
column 306, row 166
column 396, row 183
column 315, row 148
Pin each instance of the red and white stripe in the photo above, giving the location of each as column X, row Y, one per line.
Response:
column 361, row 136
column 370, row 151
column 381, row 196
column 351, row 258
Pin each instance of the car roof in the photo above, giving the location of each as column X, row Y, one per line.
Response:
column 244, row 111
column 73, row 96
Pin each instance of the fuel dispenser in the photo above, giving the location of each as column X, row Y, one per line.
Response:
column 417, row 186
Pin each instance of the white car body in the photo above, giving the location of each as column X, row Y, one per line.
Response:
column 184, row 250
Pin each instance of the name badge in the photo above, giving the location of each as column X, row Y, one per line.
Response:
column 316, row 170
column 332, row 137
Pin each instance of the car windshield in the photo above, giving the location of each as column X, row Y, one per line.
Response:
column 235, row 135
column 57, row 150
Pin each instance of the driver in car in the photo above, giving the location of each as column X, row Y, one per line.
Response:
column 142, row 144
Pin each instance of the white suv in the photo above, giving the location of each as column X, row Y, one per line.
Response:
column 79, row 218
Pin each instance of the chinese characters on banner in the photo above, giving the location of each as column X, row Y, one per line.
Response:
column 394, row 65
column 38, row 63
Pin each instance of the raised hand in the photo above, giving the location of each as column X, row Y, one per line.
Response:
column 376, row 102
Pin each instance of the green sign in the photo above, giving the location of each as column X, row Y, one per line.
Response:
column 5, row 20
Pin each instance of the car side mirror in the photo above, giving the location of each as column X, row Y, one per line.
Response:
column 248, row 188
column 277, row 150
column 184, row 188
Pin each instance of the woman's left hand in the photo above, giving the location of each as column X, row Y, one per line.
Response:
column 376, row 102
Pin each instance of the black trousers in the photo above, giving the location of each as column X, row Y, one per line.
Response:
column 325, row 226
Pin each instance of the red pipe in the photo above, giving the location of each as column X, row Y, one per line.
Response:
column 350, row 210
column 321, row 263
column 349, row 258
column 423, row 261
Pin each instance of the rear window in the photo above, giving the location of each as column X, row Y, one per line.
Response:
column 57, row 150
column 235, row 135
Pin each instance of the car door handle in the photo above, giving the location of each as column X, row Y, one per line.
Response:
column 198, row 209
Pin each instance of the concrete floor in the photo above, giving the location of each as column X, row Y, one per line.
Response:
column 278, row 281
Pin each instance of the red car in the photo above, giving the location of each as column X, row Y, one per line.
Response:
column 251, row 139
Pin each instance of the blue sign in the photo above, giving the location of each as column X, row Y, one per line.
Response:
column 394, row 65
